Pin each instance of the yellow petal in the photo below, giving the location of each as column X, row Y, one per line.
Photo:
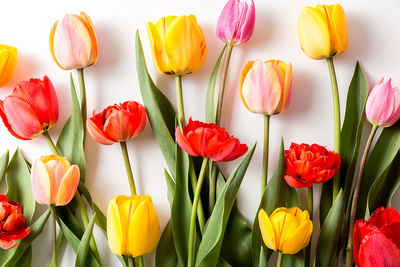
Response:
column 115, row 232
column 297, row 238
column 339, row 29
column 268, row 232
column 8, row 62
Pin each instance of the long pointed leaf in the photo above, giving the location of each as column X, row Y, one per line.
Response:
column 3, row 166
column 84, row 244
column 166, row 255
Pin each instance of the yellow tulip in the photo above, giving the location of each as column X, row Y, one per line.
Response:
column 8, row 62
column 132, row 225
column 286, row 230
column 178, row 45
column 323, row 31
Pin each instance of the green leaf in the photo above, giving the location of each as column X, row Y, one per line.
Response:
column 159, row 110
column 377, row 163
column 166, row 255
column 18, row 180
column 223, row 263
column 210, row 105
column 181, row 206
column 70, row 141
column 330, row 233
column 26, row 258
column 170, row 186
column 210, row 245
column 274, row 196
column 3, row 165
column 84, row 244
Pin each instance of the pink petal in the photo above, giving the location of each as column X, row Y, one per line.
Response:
column 41, row 184
column 68, row 186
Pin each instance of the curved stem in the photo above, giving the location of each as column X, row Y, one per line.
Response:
column 213, row 183
column 310, row 211
column 279, row 262
column 128, row 167
column 54, row 235
column 192, row 232
column 140, row 261
column 50, row 143
column 223, row 84
column 353, row 213
column 179, row 100
column 130, row 262
column 336, row 112
column 193, row 182
column 83, row 102
column 264, row 176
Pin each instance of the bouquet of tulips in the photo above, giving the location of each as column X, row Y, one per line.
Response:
column 206, row 228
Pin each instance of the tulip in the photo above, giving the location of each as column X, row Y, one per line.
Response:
column 307, row 165
column 236, row 23
column 265, row 87
column 13, row 224
column 285, row 230
column 177, row 44
column 31, row 109
column 73, row 42
column 54, row 180
column 117, row 123
column 8, row 62
column 132, row 225
column 383, row 104
column 377, row 240
column 209, row 140
column 323, row 31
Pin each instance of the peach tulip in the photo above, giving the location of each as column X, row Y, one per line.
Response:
column 73, row 42
column 54, row 180
column 8, row 62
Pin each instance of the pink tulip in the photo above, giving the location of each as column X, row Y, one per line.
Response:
column 383, row 104
column 31, row 109
column 236, row 22
column 54, row 180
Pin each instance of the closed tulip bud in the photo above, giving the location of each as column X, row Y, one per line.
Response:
column 236, row 22
column 132, row 225
column 265, row 86
column 31, row 109
column 8, row 62
column 73, row 42
column 323, row 31
column 54, row 180
column 383, row 104
column 177, row 44
column 285, row 230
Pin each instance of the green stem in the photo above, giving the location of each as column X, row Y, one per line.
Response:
column 192, row 232
column 130, row 262
column 213, row 183
column 310, row 211
column 53, row 222
column 336, row 112
column 223, row 84
column 264, row 175
column 50, row 143
column 193, row 182
column 279, row 262
column 353, row 213
column 128, row 167
column 179, row 100
column 140, row 261
column 83, row 102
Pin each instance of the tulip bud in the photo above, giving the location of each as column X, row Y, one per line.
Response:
column 286, row 230
column 177, row 44
column 54, row 180
column 132, row 225
column 383, row 104
column 265, row 86
column 323, row 31
column 236, row 22
column 73, row 42
column 8, row 62
column 117, row 123
column 31, row 109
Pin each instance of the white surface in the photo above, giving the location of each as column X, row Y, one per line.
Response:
column 374, row 40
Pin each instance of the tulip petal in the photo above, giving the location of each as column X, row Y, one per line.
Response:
column 396, row 112
column 7, row 124
column 268, row 232
column 6, row 243
column 296, row 237
column 243, row 75
column 380, row 103
column 121, row 125
column 51, row 44
column 97, row 134
column 90, row 28
column 339, row 29
column 115, row 232
column 8, row 63
column 41, row 183
column 68, row 186
column 184, row 143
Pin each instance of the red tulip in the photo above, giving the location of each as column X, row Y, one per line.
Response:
column 117, row 123
column 306, row 165
column 31, row 109
column 209, row 140
column 376, row 242
column 12, row 221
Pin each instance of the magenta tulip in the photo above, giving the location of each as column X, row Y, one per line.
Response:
column 236, row 22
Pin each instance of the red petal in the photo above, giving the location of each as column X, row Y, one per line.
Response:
column 360, row 230
column 6, row 243
column 184, row 143
column 296, row 183
column 381, row 217
column 7, row 124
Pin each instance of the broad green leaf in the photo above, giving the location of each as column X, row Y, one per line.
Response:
column 18, row 252
column 274, row 196
column 166, row 255
column 210, row 105
column 3, row 166
column 263, row 260
column 18, row 180
column 210, row 245
column 26, row 258
column 181, row 206
column 328, row 241
column 159, row 110
column 380, row 158
column 84, row 244
column 170, row 186
column 70, row 141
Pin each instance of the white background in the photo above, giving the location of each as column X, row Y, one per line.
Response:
column 374, row 41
